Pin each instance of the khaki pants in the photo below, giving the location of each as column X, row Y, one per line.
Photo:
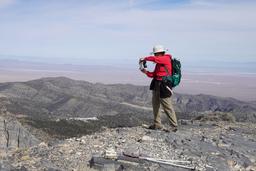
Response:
column 166, row 105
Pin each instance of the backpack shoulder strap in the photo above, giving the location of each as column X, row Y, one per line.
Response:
column 166, row 70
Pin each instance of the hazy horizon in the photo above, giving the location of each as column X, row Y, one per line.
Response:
column 203, row 66
column 239, row 85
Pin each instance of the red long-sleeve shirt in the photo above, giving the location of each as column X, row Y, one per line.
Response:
column 160, row 61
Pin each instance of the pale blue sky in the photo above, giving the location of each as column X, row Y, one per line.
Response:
column 121, row 31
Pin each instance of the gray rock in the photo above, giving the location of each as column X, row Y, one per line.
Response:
column 14, row 135
column 147, row 138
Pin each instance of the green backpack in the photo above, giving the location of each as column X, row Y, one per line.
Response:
column 175, row 78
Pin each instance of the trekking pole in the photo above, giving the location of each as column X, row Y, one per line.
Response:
column 168, row 163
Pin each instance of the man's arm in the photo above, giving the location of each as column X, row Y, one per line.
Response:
column 158, row 60
column 149, row 74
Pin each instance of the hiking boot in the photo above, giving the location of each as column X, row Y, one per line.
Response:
column 156, row 127
column 173, row 129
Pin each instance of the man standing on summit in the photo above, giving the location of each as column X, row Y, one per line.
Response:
column 161, row 90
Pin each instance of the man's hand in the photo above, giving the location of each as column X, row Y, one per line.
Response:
column 141, row 60
column 144, row 71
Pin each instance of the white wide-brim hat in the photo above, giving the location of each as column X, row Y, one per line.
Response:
column 158, row 48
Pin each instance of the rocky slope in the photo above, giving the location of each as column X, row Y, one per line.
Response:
column 204, row 145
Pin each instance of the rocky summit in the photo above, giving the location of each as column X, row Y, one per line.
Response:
column 195, row 146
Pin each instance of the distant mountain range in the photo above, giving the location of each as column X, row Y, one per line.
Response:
column 61, row 97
